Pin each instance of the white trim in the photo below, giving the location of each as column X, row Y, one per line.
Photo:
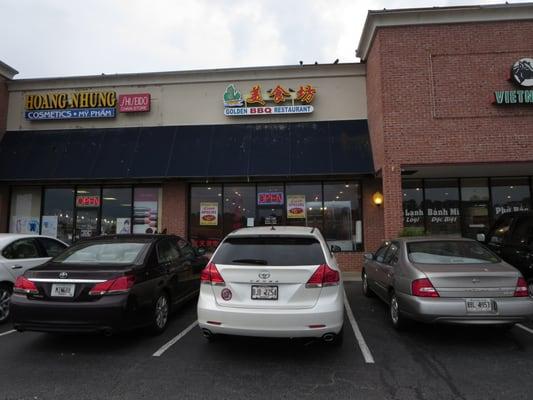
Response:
column 174, row 340
column 7, row 333
column 525, row 328
column 369, row 359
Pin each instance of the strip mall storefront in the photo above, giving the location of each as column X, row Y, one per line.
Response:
column 444, row 144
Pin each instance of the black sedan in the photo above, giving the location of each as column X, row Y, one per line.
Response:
column 108, row 284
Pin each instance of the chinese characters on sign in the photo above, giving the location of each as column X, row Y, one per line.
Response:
column 300, row 101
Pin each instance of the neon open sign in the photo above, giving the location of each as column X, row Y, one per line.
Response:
column 87, row 201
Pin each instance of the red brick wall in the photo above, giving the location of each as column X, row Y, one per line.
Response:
column 175, row 208
column 430, row 91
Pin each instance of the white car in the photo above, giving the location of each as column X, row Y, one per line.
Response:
column 277, row 281
column 19, row 253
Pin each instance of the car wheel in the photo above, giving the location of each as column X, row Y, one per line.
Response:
column 398, row 321
column 5, row 299
column 339, row 338
column 160, row 313
column 366, row 290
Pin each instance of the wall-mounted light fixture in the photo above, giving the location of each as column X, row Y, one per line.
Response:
column 377, row 199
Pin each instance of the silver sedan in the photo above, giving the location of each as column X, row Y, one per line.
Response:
column 445, row 281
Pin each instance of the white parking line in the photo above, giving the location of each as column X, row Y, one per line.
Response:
column 358, row 335
column 525, row 328
column 173, row 341
column 7, row 333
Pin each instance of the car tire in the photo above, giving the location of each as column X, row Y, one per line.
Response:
column 367, row 292
column 339, row 338
column 5, row 298
column 160, row 313
column 397, row 319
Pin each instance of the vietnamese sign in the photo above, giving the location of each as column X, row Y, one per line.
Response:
column 255, row 103
column 296, row 206
column 522, row 75
column 269, row 198
column 128, row 103
column 208, row 213
column 75, row 105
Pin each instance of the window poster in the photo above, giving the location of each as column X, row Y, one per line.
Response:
column 296, row 206
column 25, row 224
column 49, row 225
column 208, row 213
column 123, row 226
column 145, row 210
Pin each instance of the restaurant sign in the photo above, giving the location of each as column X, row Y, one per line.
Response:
column 522, row 75
column 277, row 100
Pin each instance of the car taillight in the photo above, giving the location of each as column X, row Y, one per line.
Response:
column 423, row 288
column 210, row 275
column 521, row 288
column 25, row 286
column 114, row 286
column 323, row 276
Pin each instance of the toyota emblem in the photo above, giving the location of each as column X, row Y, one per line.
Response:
column 63, row 275
column 264, row 275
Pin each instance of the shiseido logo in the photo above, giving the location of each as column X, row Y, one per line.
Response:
column 522, row 72
column 63, row 275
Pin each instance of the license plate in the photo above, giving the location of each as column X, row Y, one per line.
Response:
column 479, row 305
column 63, row 290
column 264, row 292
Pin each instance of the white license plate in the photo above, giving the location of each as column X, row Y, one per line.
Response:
column 63, row 290
column 264, row 292
column 479, row 305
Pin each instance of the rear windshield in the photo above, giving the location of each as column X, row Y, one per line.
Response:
column 279, row 250
column 449, row 252
column 102, row 253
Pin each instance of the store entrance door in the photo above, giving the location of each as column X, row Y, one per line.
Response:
column 270, row 204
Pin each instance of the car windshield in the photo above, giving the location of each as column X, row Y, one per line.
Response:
column 265, row 250
column 100, row 253
column 449, row 252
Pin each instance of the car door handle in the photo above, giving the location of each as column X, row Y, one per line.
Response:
column 16, row 267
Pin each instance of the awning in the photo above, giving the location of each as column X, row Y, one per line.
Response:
column 209, row 151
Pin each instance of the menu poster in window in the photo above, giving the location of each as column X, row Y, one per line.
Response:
column 49, row 225
column 26, row 225
column 123, row 226
column 296, row 206
column 208, row 213
column 145, row 210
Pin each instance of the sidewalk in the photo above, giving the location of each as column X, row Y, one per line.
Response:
column 351, row 276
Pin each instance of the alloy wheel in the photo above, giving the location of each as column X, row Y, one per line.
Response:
column 394, row 310
column 5, row 299
column 365, row 283
column 161, row 312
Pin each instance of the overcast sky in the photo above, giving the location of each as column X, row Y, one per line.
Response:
column 42, row 38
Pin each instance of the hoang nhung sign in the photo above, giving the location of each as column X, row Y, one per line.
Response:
column 276, row 100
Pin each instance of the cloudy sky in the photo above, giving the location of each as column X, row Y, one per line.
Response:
column 74, row 37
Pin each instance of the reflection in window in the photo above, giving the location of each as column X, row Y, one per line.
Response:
column 146, row 209
column 270, row 204
column 475, row 206
column 442, row 207
column 25, row 210
column 510, row 195
column 342, row 215
column 116, row 211
column 304, row 204
column 239, row 207
column 413, row 207
column 205, row 217
column 58, row 213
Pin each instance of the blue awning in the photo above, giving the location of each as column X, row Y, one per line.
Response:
column 210, row 151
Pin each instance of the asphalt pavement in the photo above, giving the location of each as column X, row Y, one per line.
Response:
column 425, row 362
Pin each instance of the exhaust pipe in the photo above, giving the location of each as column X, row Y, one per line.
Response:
column 207, row 333
column 328, row 337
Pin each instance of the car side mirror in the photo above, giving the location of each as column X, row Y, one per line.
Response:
column 200, row 251
column 368, row 256
column 480, row 237
column 335, row 248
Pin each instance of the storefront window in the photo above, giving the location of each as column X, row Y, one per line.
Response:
column 510, row 195
column 58, row 213
column 342, row 215
column 304, row 204
column 25, row 210
column 413, row 207
column 116, row 211
column 146, row 209
column 442, row 207
column 87, row 209
column 206, row 216
column 270, row 204
column 239, row 207
column 475, row 206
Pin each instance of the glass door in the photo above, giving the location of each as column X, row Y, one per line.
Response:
column 87, row 209
column 475, row 207
column 270, row 204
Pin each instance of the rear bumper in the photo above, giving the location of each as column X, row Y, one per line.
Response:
column 107, row 314
column 329, row 311
column 453, row 310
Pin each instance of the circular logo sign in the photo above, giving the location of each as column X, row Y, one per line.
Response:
column 264, row 274
column 522, row 72
column 226, row 294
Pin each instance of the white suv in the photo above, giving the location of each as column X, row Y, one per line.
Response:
column 277, row 281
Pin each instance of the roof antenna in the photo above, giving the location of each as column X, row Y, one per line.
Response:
column 272, row 228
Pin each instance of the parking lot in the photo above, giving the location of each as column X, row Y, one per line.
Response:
column 425, row 362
